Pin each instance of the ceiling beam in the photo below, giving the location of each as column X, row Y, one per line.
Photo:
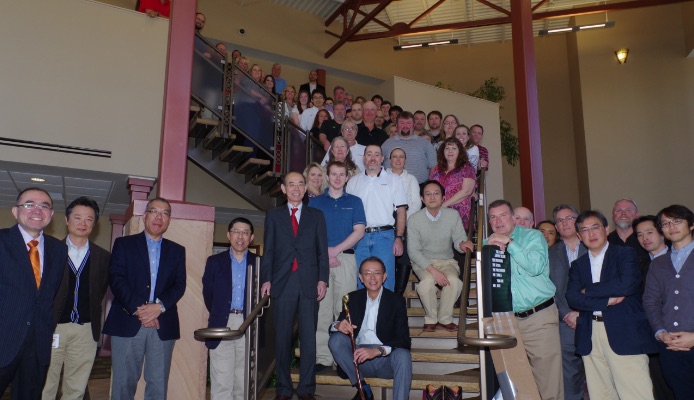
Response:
column 425, row 13
column 347, row 35
column 494, row 6
column 403, row 29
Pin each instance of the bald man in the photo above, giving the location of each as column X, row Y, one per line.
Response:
column 523, row 217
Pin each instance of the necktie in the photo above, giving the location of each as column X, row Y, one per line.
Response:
column 295, row 227
column 35, row 261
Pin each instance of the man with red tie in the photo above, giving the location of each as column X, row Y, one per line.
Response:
column 294, row 271
column 31, row 268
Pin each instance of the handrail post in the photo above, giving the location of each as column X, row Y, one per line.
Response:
column 252, row 297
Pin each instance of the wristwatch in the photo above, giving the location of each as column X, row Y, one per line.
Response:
column 382, row 350
column 161, row 306
column 401, row 238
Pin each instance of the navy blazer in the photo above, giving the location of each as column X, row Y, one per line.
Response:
column 217, row 284
column 627, row 328
column 21, row 303
column 129, row 280
column 309, row 247
column 391, row 326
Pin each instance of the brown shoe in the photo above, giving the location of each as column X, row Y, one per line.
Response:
column 449, row 327
column 429, row 328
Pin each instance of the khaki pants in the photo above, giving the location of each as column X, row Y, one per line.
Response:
column 614, row 377
column 342, row 280
column 450, row 293
column 228, row 365
column 540, row 333
column 76, row 352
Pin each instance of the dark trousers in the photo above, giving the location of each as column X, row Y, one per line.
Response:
column 25, row 372
column 678, row 370
column 287, row 305
column 403, row 267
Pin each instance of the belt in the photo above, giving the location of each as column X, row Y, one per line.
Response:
column 234, row 311
column 539, row 307
column 348, row 251
column 598, row 318
column 379, row 228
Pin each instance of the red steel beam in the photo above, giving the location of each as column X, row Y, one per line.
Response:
column 346, row 36
column 539, row 4
column 425, row 13
column 494, row 6
column 527, row 109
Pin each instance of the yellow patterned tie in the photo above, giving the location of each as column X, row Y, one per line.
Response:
column 35, row 261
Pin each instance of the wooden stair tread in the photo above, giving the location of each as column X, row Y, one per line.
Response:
column 255, row 161
column 412, row 294
column 417, row 332
column 435, row 355
column 207, row 121
column 194, row 108
column 468, row 380
column 419, row 312
column 260, row 179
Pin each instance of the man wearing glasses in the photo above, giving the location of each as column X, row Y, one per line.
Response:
column 147, row 277
column 532, row 296
column 561, row 255
column 668, row 299
column 32, row 268
column 612, row 332
column 224, row 292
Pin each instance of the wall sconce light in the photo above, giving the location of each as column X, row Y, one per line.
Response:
column 622, row 55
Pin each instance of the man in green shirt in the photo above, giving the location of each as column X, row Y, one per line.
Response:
column 533, row 296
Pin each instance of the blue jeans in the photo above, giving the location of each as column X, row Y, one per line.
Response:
column 396, row 366
column 378, row 244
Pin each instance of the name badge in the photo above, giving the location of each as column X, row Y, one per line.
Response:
column 56, row 341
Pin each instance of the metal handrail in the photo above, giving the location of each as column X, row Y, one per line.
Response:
column 226, row 333
column 490, row 341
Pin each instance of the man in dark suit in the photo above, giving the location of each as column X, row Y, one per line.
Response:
column 561, row 255
column 612, row 332
column 224, row 292
column 312, row 85
column 32, row 268
column 294, row 271
column 77, row 308
column 147, row 278
column 379, row 325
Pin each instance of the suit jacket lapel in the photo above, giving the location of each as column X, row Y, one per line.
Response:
column 141, row 244
column 606, row 263
column 163, row 260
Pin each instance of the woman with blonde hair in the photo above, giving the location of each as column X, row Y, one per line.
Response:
column 314, row 181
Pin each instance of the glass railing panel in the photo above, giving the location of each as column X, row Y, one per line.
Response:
column 316, row 150
column 295, row 155
column 253, row 110
column 208, row 75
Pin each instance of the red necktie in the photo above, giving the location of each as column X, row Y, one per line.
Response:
column 295, row 227
column 35, row 261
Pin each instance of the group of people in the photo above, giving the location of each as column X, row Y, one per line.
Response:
column 619, row 299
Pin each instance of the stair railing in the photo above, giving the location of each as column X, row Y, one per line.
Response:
column 250, row 328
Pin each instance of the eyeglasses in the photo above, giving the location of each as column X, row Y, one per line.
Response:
column 296, row 185
column 240, row 233
column 372, row 273
column 34, row 206
column 567, row 219
column 590, row 229
column 349, row 129
column 667, row 224
column 449, row 123
column 156, row 211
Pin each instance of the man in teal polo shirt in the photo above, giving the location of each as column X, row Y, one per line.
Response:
column 533, row 296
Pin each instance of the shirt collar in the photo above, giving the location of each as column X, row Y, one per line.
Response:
column 431, row 217
column 685, row 249
column 27, row 237
column 378, row 298
column 664, row 251
column 290, row 206
column 71, row 245
column 602, row 252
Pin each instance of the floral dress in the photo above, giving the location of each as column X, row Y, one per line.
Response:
column 453, row 183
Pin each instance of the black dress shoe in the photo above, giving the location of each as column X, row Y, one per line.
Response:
column 358, row 397
column 323, row 368
column 307, row 396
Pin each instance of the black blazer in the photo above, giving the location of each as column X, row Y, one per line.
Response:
column 306, row 86
column 21, row 303
column 309, row 248
column 628, row 331
column 99, row 260
column 130, row 282
column 217, row 283
column 391, row 326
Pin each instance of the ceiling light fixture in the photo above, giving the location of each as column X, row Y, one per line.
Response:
column 622, row 55
column 578, row 28
column 34, row 179
column 426, row 44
